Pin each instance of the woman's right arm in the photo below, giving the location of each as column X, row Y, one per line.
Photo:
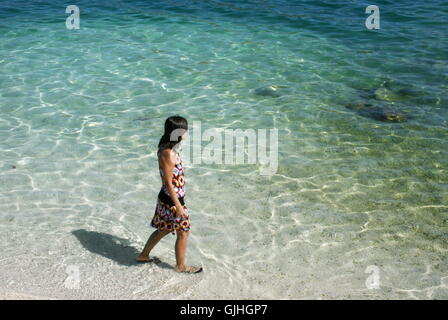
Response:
column 167, row 162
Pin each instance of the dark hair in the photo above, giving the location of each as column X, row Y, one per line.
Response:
column 175, row 127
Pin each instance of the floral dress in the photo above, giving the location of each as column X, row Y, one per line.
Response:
column 164, row 218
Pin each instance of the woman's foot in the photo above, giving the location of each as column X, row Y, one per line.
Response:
column 141, row 258
column 189, row 269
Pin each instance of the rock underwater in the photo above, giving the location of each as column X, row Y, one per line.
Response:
column 379, row 113
column 391, row 91
column 269, row 91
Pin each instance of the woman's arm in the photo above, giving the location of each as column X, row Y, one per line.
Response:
column 167, row 162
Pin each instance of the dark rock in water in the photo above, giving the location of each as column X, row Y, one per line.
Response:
column 377, row 112
column 390, row 116
column 391, row 90
column 396, row 91
column 367, row 93
column 13, row 167
column 386, row 95
column 270, row 91
column 358, row 106
column 408, row 92
column 394, row 95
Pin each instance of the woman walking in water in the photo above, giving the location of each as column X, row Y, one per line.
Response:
column 171, row 215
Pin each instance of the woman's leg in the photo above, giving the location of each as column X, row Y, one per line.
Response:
column 180, row 248
column 155, row 237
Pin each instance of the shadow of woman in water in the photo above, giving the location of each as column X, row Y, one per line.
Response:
column 112, row 247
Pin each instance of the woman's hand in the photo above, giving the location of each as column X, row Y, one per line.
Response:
column 180, row 213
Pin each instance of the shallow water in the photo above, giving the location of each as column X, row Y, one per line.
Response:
column 81, row 112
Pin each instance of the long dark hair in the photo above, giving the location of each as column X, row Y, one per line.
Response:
column 175, row 127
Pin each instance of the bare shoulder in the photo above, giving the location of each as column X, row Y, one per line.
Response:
column 167, row 155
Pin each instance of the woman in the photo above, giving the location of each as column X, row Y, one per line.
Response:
column 171, row 214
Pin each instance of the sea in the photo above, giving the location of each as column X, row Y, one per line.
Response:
column 356, row 208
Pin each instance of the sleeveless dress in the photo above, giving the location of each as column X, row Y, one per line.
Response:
column 164, row 218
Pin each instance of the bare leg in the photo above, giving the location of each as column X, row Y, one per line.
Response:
column 180, row 249
column 155, row 237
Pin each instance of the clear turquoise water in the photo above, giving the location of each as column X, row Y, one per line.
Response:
column 81, row 112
